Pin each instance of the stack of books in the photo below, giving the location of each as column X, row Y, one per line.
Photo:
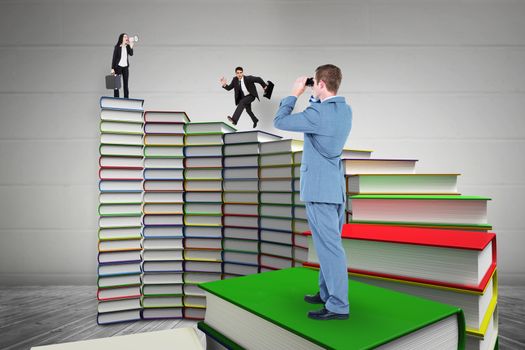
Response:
column 241, row 201
column 202, row 211
column 120, row 238
column 267, row 311
column 449, row 266
column 277, row 205
column 162, row 287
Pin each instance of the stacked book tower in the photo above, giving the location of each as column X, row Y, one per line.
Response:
column 415, row 233
column 241, row 201
column 120, row 236
column 203, row 176
column 162, row 287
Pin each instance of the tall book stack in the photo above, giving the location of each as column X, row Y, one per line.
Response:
column 163, row 214
column 445, row 265
column 241, row 201
column 120, row 238
column 277, row 205
column 202, row 211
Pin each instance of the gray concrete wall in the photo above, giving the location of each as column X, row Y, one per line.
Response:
column 440, row 81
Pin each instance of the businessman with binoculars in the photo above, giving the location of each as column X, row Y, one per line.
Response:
column 326, row 124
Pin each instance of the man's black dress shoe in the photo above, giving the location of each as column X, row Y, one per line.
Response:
column 255, row 123
column 231, row 120
column 313, row 298
column 324, row 314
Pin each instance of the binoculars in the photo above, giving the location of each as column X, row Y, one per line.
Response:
column 309, row 82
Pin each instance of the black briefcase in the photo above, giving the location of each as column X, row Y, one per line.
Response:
column 113, row 82
column 269, row 90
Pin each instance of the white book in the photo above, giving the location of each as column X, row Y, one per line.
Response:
column 118, row 305
column 119, row 221
column 128, row 162
column 161, row 301
column 202, row 243
column 120, row 209
column 121, row 139
column 240, row 269
column 489, row 339
column 202, row 208
column 201, row 277
column 166, row 116
column 241, row 173
column 240, row 185
column 116, row 173
column 241, row 257
column 276, row 236
column 275, row 185
column 119, row 245
column 297, row 199
column 440, row 210
column 163, row 128
column 276, row 224
column 164, row 185
column 202, row 220
column 241, row 209
column 120, row 197
column 203, row 162
column 118, row 293
column 119, row 269
column 114, row 257
column 300, row 226
column 203, row 185
column 206, row 139
column 275, row 262
column 203, row 266
column 249, row 137
column 196, row 301
column 347, row 153
column 120, row 150
column 299, row 212
column 204, row 173
column 163, row 289
column 208, row 197
column 300, row 254
column 241, row 245
column 163, row 219
column 163, row 255
column 159, row 313
column 114, row 317
column 275, row 249
column 163, row 266
column 121, row 103
column 164, row 151
column 208, row 127
column 119, row 233
column 122, row 115
column 164, row 163
column 202, row 231
column 163, row 174
column 203, row 255
column 203, row 151
column 163, row 231
column 402, row 184
column 163, row 208
column 163, row 243
column 241, row 197
column 193, row 289
column 241, row 149
column 280, row 172
column 241, row 161
column 163, row 197
column 281, row 146
column 171, row 278
column 241, row 233
column 281, row 211
column 164, row 139
column 193, row 313
column 379, row 166
column 121, row 127
column 116, row 281
column 276, row 159
column 241, row 221
column 276, row 198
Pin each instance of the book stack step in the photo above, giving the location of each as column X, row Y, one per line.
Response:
column 120, row 244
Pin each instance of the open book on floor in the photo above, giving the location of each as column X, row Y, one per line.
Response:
column 267, row 311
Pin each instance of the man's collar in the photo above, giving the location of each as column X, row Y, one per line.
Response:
column 334, row 98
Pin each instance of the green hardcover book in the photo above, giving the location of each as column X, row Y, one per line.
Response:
column 267, row 311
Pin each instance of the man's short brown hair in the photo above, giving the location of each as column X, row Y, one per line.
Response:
column 331, row 75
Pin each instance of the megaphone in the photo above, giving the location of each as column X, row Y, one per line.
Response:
column 133, row 39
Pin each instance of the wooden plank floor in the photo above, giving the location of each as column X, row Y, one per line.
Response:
column 31, row 316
